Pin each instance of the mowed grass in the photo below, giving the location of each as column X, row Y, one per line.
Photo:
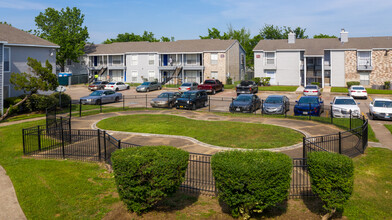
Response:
column 221, row 133
column 369, row 90
column 278, row 88
column 389, row 127
column 372, row 197
column 339, row 89
column 49, row 189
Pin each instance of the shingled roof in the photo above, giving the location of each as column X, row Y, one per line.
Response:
column 317, row 46
column 13, row 35
column 180, row 46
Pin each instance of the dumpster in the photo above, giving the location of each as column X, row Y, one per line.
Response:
column 64, row 78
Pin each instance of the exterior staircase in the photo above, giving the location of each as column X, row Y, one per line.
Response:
column 101, row 71
column 174, row 75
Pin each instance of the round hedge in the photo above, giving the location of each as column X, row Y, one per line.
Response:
column 251, row 181
column 145, row 175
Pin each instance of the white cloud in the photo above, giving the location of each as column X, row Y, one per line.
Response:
column 21, row 5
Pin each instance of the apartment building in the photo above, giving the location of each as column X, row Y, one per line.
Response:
column 15, row 47
column 329, row 61
column 166, row 62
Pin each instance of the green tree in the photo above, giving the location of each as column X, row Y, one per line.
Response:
column 4, row 22
column 271, row 32
column 131, row 37
column 66, row 29
column 324, row 36
column 42, row 78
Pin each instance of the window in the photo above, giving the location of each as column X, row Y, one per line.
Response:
column 271, row 74
column 134, row 75
column 7, row 58
column 214, row 58
column 134, row 60
column 116, row 60
column 151, row 59
column 364, row 58
column 191, row 59
column 364, row 78
column 214, row 74
column 151, row 75
column 270, row 58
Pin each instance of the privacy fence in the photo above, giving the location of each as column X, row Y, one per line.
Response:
column 58, row 140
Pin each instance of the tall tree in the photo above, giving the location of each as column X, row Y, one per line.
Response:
column 271, row 32
column 131, row 37
column 42, row 78
column 324, row 36
column 66, row 29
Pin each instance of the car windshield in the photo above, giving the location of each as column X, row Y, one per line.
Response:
column 344, row 102
column 165, row 95
column 145, row 84
column 96, row 83
column 209, row 82
column 186, row 84
column 111, row 83
column 311, row 87
column 358, row 88
column 244, row 98
column 308, row 100
column 383, row 104
column 188, row 95
column 274, row 100
column 246, row 83
column 96, row 93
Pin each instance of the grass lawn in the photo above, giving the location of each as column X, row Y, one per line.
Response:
column 171, row 86
column 232, row 86
column 134, row 84
column 372, row 197
column 278, row 88
column 49, row 189
column 339, row 89
column 379, row 91
column 235, row 135
column 389, row 127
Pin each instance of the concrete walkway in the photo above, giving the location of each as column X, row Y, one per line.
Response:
column 9, row 206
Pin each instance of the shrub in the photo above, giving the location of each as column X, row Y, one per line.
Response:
column 257, row 80
column 316, row 83
column 332, row 178
column 251, row 181
column 145, row 175
column 352, row 83
column 265, row 81
column 65, row 99
column 40, row 102
column 387, row 84
column 229, row 81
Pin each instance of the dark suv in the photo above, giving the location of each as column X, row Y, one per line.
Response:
column 192, row 100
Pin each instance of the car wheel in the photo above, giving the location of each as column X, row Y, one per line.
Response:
column 213, row 92
column 257, row 90
column 205, row 104
column 160, row 88
column 223, row 89
column 170, row 105
column 128, row 87
column 117, row 99
column 193, row 106
column 231, row 110
column 98, row 102
column 147, row 90
column 116, row 89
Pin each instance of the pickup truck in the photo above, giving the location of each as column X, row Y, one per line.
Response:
column 211, row 85
column 246, row 87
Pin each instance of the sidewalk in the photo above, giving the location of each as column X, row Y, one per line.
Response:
column 9, row 208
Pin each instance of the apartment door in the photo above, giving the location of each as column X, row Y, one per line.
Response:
column 165, row 60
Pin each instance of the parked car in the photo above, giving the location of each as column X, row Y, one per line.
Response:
column 381, row 109
column 309, row 105
column 101, row 96
column 192, row 100
column 211, row 85
column 166, row 99
column 246, row 87
column 245, row 103
column 116, row 86
column 312, row 90
column 357, row 92
column 276, row 104
column 341, row 107
column 98, row 85
column 188, row 87
column 148, row 86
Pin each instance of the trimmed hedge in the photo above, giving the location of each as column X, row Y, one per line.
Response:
column 251, row 181
column 65, row 99
column 40, row 102
column 332, row 178
column 352, row 83
column 145, row 175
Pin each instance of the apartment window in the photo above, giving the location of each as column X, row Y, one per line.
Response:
column 134, row 75
column 151, row 75
column 191, row 59
column 214, row 58
column 364, row 58
column 7, row 59
column 151, row 59
column 134, row 60
column 214, row 74
column 116, row 60
column 271, row 74
column 69, row 62
column 364, row 78
column 270, row 58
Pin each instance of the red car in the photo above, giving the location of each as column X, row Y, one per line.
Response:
column 211, row 85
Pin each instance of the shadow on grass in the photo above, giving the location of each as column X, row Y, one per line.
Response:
column 177, row 201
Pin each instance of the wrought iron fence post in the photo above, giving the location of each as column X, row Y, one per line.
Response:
column 104, row 144
column 303, row 147
column 99, row 143
column 124, row 103
column 70, row 108
column 310, row 111
column 331, row 115
column 209, row 103
column 100, row 105
column 24, row 144
column 62, row 136
column 350, row 118
column 146, row 101
column 168, row 100
column 232, row 105
column 262, row 107
column 46, row 121
column 80, row 108
column 285, row 110
column 39, row 138
column 119, row 144
column 340, row 142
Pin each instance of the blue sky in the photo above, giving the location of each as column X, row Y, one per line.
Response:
column 188, row 19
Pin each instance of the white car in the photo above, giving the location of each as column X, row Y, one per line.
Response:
column 312, row 90
column 357, row 92
column 381, row 109
column 188, row 86
column 342, row 106
column 116, row 86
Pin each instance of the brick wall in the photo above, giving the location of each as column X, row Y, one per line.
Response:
column 220, row 67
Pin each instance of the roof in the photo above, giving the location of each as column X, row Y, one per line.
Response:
column 180, row 46
column 13, row 35
column 318, row 45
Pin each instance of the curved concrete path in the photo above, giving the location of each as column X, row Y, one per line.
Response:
column 9, row 206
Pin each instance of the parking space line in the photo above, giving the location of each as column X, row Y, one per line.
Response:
column 299, row 96
column 370, row 98
column 364, row 115
column 326, row 114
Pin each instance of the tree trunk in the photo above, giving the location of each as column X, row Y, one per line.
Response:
column 328, row 215
column 17, row 104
